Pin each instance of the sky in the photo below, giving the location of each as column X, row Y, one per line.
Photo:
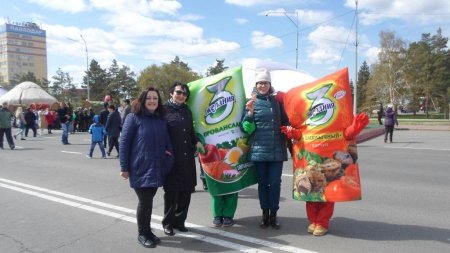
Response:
column 139, row 33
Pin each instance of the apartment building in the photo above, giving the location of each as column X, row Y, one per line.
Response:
column 23, row 49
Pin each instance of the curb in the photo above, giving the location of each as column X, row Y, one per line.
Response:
column 369, row 134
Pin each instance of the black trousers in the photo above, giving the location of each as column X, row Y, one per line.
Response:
column 388, row 130
column 33, row 127
column 176, row 206
column 113, row 143
column 144, row 209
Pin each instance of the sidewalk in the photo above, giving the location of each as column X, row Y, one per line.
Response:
column 370, row 133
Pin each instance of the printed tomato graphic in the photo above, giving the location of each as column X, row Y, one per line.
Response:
column 216, row 169
column 343, row 189
column 212, row 154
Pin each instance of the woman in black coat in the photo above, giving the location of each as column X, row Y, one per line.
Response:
column 182, row 179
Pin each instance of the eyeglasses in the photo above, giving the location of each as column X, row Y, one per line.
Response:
column 180, row 92
column 263, row 83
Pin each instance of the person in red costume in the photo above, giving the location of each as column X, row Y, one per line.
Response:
column 323, row 129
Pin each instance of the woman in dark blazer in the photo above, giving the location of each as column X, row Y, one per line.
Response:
column 182, row 179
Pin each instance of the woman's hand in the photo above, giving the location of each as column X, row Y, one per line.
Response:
column 200, row 148
column 124, row 174
column 250, row 106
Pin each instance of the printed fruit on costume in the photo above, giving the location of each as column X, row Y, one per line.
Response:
column 216, row 169
column 343, row 189
column 212, row 154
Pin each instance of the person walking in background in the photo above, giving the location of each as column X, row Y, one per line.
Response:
column 380, row 114
column 182, row 179
column 64, row 115
column 263, row 117
column 42, row 123
column 50, row 119
column 30, row 119
column 103, row 118
column 113, row 129
column 146, row 157
column 97, row 131
column 390, row 119
column 21, row 123
column 5, row 125
column 126, row 109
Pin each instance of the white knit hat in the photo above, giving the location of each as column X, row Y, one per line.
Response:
column 390, row 106
column 262, row 75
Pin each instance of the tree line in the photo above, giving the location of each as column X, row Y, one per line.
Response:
column 412, row 76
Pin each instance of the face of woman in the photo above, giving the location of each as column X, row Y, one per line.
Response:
column 263, row 87
column 151, row 102
column 179, row 95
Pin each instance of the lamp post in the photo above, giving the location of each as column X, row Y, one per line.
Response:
column 295, row 23
column 87, row 65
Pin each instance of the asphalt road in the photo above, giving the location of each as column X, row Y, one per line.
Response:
column 54, row 199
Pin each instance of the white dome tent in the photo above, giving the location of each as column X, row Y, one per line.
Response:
column 27, row 93
column 283, row 77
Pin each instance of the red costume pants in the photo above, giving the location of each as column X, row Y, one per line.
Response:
column 320, row 213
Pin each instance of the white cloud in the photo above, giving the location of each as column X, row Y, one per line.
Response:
column 327, row 44
column 190, row 17
column 241, row 21
column 249, row 3
column 306, row 17
column 261, row 40
column 70, row 6
column 138, row 6
column 425, row 12
column 134, row 25
column 372, row 55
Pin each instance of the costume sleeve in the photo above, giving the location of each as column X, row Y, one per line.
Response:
column 359, row 123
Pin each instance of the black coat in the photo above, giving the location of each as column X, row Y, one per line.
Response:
column 183, row 176
column 113, row 124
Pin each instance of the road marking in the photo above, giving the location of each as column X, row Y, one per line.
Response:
column 287, row 175
column 14, row 185
column 437, row 149
column 71, row 152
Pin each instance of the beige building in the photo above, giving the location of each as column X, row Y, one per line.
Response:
column 23, row 49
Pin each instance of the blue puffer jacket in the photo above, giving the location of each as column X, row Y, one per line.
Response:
column 267, row 143
column 143, row 143
column 97, row 130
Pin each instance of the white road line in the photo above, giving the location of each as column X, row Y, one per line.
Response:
column 286, row 175
column 71, row 152
column 156, row 217
column 437, row 149
column 223, row 243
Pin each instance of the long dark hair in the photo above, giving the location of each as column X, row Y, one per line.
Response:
column 138, row 106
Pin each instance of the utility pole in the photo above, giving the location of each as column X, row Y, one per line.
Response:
column 285, row 13
column 355, row 90
column 88, row 88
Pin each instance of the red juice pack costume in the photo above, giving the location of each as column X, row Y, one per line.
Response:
column 324, row 151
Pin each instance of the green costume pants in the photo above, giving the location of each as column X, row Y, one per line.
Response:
column 224, row 205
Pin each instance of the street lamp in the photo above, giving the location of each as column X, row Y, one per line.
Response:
column 296, row 26
column 87, row 65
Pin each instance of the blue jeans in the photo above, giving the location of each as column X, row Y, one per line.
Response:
column 269, row 184
column 100, row 144
column 65, row 134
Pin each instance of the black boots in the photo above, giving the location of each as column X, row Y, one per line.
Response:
column 265, row 219
column 273, row 220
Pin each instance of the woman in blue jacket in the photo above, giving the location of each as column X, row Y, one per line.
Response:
column 262, row 120
column 146, row 157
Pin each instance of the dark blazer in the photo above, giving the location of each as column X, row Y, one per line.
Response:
column 113, row 124
column 183, row 175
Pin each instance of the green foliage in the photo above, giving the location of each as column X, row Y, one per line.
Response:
column 218, row 68
column 62, row 87
column 162, row 77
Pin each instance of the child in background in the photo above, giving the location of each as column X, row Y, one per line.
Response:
column 97, row 130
